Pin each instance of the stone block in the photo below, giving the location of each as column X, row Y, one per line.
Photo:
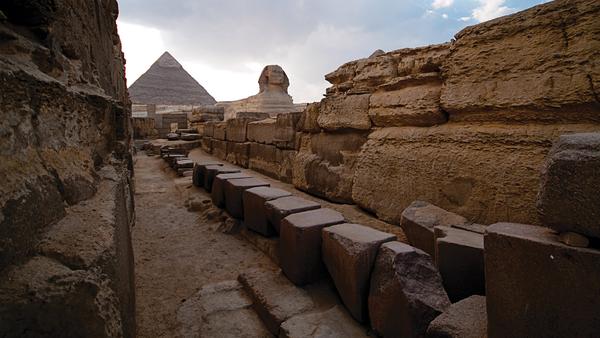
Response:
column 219, row 149
column 345, row 112
column 275, row 298
column 539, row 287
column 213, row 170
column 409, row 106
column 220, row 310
column 207, row 144
column 465, row 319
column 272, row 161
column 569, row 197
column 237, row 128
column 418, row 221
column 190, row 136
column 262, row 131
column 200, row 172
column 455, row 166
column 209, row 129
column 349, row 252
column 218, row 187
column 278, row 209
column 234, row 190
column 520, row 68
column 335, row 322
column 238, row 153
column 459, row 259
column 220, row 131
column 300, row 244
column 255, row 212
column 308, row 120
column 184, row 163
column 406, row 291
column 285, row 132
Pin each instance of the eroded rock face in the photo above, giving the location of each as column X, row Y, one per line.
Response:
column 456, row 166
column 531, row 66
column 66, row 141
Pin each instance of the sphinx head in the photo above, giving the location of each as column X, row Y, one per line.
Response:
column 273, row 78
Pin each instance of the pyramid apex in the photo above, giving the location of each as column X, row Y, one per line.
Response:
column 167, row 60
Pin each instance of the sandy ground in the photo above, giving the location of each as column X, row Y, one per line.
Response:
column 177, row 251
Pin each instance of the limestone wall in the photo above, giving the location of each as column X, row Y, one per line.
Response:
column 464, row 125
column 64, row 153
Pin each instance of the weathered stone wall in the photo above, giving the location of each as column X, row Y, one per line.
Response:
column 144, row 128
column 464, row 125
column 65, row 148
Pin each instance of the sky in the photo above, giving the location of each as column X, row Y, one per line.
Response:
column 224, row 44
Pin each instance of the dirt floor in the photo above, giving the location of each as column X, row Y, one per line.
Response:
column 177, row 251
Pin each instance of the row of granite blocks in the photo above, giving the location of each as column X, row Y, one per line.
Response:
column 391, row 285
column 256, row 141
column 537, row 281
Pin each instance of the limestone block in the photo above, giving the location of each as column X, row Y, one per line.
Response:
column 255, row 212
column 324, row 165
column 459, row 259
column 526, row 67
column 209, row 129
column 308, row 119
column 218, row 187
column 262, row 131
column 551, row 292
column 272, row 161
column 285, row 132
column 349, row 252
column 374, row 71
column 300, row 244
column 569, row 197
column 406, row 291
column 238, row 153
column 220, row 310
column 410, row 106
column 279, row 208
column 335, row 322
column 456, row 166
column 345, row 112
column 184, row 163
column 207, row 144
column 233, row 194
column 212, row 171
column 220, row 131
column 418, row 221
column 200, row 172
column 237, row 129
column 465, row 319
column 275, row 298
column 219, row 149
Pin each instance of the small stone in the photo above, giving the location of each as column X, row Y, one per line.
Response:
column 574, row 239
column 465, row 319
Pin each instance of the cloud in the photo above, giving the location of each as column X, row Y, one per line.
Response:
column 491, row 9
column 437, row 4
column 225, row 43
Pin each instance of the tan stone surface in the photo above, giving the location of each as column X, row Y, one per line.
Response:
column 238, row 153
column 345, row 112
column 410, row 106
column 485, row 173
column 536, row 65
column 262, row 131
column 308, row 120
column 220, row 131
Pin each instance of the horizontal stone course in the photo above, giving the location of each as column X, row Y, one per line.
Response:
column 218, row 187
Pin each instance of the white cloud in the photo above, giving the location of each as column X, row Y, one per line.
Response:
column 491, row 9
column 437, row 4
column 445, row 16
column 465, row 18
column 142, row 45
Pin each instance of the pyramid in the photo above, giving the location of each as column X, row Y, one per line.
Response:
column 167, row 83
